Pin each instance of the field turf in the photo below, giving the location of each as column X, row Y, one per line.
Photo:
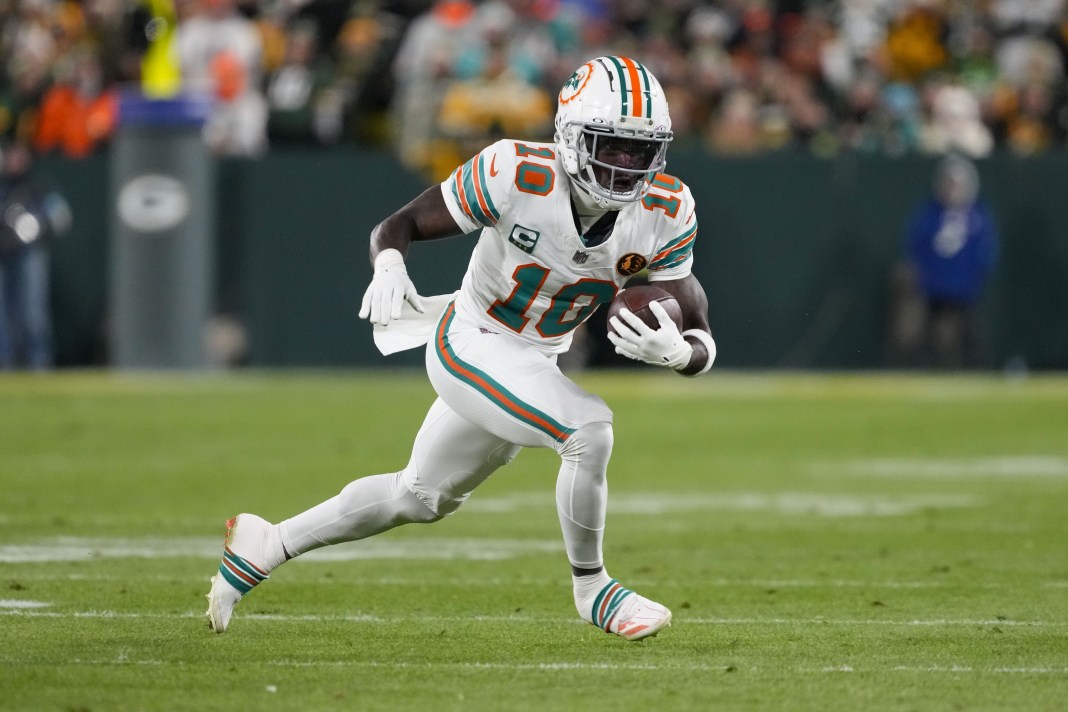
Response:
column 827, row 542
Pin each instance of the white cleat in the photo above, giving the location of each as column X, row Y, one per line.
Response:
column 622, row 612
column 241, row 569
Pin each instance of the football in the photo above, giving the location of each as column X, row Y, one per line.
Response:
column 637, row 300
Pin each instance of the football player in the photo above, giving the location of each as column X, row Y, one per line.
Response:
column 564, row 226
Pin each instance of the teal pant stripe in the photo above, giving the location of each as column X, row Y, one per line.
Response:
column 494, row 391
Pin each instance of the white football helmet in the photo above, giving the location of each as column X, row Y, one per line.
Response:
column 612, row 130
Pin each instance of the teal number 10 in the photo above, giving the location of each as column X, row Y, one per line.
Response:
column 564, row 312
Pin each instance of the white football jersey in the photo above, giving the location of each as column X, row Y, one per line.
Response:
column 531, row 272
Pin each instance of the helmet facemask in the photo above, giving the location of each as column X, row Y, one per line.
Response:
column 616, row 164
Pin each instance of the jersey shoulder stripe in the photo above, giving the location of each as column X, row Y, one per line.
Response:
column 676, row 251
column 469, row 189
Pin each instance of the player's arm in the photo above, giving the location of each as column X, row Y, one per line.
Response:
column 469, row 199
column 690, row 350
column 696, row 331
column 425, row 218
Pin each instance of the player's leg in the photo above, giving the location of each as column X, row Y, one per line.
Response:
column 518, row 393
column 450, row 458
column 7, row 336
column 34, row 309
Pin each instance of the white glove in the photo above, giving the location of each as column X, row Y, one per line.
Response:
column 389, row 289
column 660, row 347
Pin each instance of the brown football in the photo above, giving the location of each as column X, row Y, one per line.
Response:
column 638, row 298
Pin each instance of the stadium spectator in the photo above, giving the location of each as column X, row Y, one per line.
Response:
column 221, row 53
column 363, row 83
column 737, row 128
column 500, row 100
column 915, row 42
column 522, row 43
column 424, row 64
column 299, row 101
column 878, row 76
column 951, row 250
column 953, row 122
column 30, row 216
column 79, row 112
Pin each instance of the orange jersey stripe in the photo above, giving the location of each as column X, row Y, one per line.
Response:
column 504, row 400
column 476, row 174
column 665, row 253
column 460, row 192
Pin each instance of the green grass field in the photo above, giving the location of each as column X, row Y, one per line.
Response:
column 826, row 543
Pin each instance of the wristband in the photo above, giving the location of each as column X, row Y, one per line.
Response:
column 710, row 346
column 387, row 259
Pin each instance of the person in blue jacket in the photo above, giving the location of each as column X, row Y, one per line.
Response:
column 31, row 214
column 952, row 247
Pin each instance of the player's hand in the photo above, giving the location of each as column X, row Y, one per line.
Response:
column 661, row 347
column 389, row 289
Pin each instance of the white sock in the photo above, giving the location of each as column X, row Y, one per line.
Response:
column 586, row 587
column 274, row 554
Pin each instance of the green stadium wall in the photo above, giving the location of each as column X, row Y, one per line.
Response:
column 794, row 251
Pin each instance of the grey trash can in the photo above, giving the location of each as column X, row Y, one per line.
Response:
column 161, row 272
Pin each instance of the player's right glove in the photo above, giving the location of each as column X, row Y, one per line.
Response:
column 389, row 289
column 665, row 346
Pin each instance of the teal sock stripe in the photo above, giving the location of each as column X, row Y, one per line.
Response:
column 615, row 593
column 239, row 573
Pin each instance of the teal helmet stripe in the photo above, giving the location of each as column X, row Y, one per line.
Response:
column 623, row 93
column 647, row 89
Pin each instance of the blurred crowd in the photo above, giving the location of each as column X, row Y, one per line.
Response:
column 437, row 80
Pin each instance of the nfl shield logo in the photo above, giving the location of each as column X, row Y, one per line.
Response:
column 581, row 257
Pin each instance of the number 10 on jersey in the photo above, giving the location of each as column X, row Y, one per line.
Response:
column 570, row 306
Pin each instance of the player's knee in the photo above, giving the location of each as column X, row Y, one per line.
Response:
column 419, row 512
column 442, row 494
column 592, row 441
column 423, row 504
column 410, row 507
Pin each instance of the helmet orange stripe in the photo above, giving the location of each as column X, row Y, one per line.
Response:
column 635, row 86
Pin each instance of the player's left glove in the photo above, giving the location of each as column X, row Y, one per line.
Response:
column 660, row 347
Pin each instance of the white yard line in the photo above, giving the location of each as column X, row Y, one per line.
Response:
column 558, row 666
column 815, row 504
column 874, row 622
column 20, row 604
column 952, row 669
column 949, row 468
column 390, row 620
column 96, row 548
column 646, row 504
